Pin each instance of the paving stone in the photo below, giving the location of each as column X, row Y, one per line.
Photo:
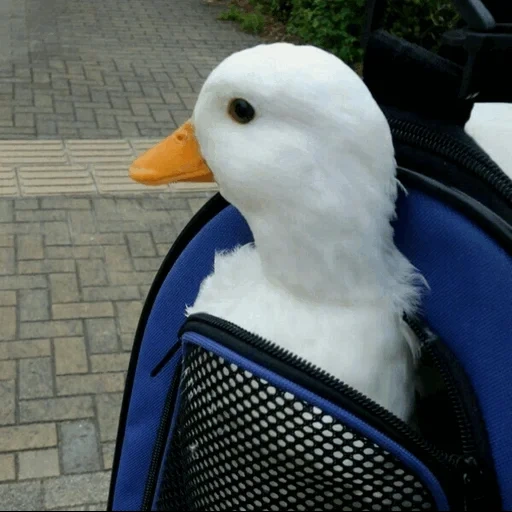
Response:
column 71, row 252
column 8, row 322
column 56, row 409
column 56, row 233
column 45, row 266
column 70, row 356
column 127, row 341
column 34, row 305
column 108, row 293
column 21, row 349
column 34, row 216
column 162, row 249
column 165, row 203
column 109, row 362
column 30, row 247
column 20, row 228
column 108, row 450
column 25, row 437
column 7, row 402
column 180, row 219
column 98, row 239
column 98, row 383
column 7, row 264
column 6, row 240
column 101, row 335
column 196, row 204
column 22, row 282
column 80, row 508
column 64, row 288
column 38, row 464
column 36, row 379
column 51, row 329
column 57, row 203
column 140, row 244
column 118, row 257
column 128, row 314
column 26, row 204
column 121, row 226
column 9, row 298
column 79, row 447
column 147, row 264
column 8, row 468
column 82, row 222
column 6, row 211
column 109, row 407
column 66, row 491
column 164, row 233
column 21, row 496
column 131, row 278
column 7, row 370
column 83, row 310
column 92, row 272
column 97, row 507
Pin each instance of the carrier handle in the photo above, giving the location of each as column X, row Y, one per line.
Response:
column 486, row 43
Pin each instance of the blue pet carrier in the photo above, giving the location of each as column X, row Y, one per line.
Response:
column 215, row 418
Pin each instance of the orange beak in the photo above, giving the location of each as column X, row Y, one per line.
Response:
column 176, row 158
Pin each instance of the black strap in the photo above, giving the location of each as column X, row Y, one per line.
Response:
column 408, row 77
column 474, row 61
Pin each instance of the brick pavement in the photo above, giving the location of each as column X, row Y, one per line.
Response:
column 74, row 272
column 106, row 68
column 75, row 266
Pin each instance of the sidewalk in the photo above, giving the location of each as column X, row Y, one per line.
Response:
column 74, row 273
column 84, row 88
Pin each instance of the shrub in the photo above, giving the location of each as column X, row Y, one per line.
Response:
column 421, row 22
column 336, row 25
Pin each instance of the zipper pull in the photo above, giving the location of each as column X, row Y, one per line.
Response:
column 474, row 491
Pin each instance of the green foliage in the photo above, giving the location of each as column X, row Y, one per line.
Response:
column 336, row 25
column 251, row 22
column 279, row 9
column 421, row 22
column 232, row 14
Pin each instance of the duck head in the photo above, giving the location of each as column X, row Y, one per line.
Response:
column 298, row 145
column 272, row 121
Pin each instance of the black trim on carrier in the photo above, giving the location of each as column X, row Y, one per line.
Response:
column 213, row 207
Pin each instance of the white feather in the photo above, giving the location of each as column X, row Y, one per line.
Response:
column 314, row 176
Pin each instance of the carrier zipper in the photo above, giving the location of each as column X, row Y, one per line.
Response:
column 465, row 465
column 471, row 158
column 472, row 478
column 161, row 441
column 466, row 437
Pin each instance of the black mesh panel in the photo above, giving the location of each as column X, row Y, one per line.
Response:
column 242, row 444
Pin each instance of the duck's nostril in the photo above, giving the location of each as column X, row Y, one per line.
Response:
column 181, row 137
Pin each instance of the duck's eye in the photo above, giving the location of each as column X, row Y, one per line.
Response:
column 241, row 111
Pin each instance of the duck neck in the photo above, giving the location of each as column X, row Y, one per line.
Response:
column 328, row 257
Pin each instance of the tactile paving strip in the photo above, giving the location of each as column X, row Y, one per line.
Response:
column 47, row 167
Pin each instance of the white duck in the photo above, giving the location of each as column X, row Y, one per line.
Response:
column 298, row 145
column 491, row 126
